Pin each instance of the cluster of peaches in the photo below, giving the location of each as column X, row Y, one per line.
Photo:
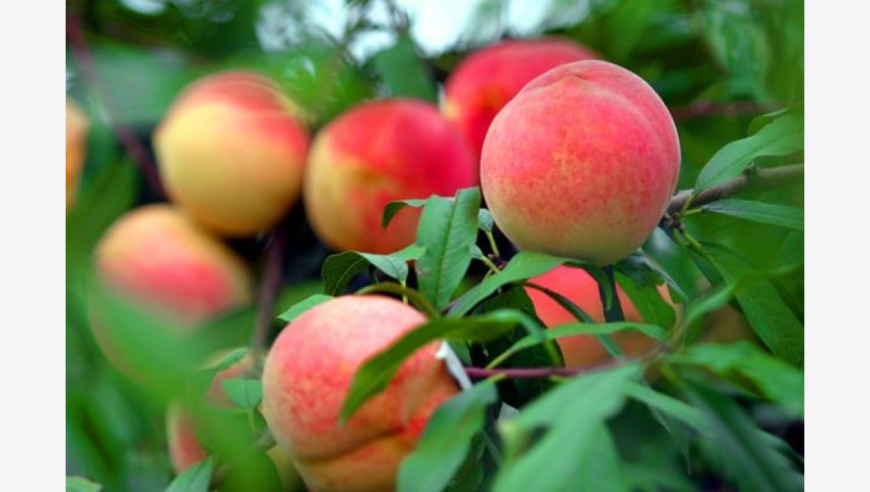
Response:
column 575, row 157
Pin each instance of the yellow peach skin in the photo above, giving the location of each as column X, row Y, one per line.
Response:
column 379, row 152
column 306, row 378
column 581, row 163
column 77, row 126
column 231, row 153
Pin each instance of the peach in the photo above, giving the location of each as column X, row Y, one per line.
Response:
column 308, row 373
column 487, row 79
column 375, row 153
column 582, row 289
column 160, row 260
column 77, row 126
column 581, row 163
column 231, row 153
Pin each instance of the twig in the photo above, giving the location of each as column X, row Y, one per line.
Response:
column 757, row 178
column 707, row 108
column 128, row 140
column 538, row 372
column 273, row 271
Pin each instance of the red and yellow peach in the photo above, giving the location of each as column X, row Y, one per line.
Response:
column 77, row 126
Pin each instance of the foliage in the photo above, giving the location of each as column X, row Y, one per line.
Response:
column 680, row 417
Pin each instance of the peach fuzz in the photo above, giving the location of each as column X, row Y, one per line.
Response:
column 231, row 153
column 582, row 289
column 373, row 154
column 581, row 163
column 307, row 375
column 77, row 126
column 490, row 77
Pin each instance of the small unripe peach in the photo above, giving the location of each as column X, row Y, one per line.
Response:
column 307, row 376
column 488, row 78
column 376, row 153
column 77, row 126
column 157, row 258
column 581, row 163
column 582, row 289
column 231, row 153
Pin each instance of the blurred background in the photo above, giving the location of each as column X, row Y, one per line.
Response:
column 716, row 63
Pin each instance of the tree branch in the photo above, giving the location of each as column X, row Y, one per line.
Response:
column 272, row 275
column 752, row 178
column 708, row 108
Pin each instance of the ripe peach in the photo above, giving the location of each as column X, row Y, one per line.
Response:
column 376, row 153
column 77, row 126
column 582, row 289
column 487, row 79
column 307, row 375
column 231, row 153
column 581, row 163
column 159, row 259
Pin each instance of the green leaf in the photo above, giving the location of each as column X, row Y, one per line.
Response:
column 524, row 265
column 246, row 393
column 81, row 484
column 233, row 357
column 770, row 318
column 304, row 305
column 574, row 329
column 669, row 406
column 573, row 415
column 446, row 441
column 393, row 208
column 765, row 213
column 195, row 479
column 781, row 137
column 749, row 368
column 447, row 229
column 375, row 374
column 648, row 301
column 402, row 69
column 484, row 220
column 338, row 270
column 753, row 462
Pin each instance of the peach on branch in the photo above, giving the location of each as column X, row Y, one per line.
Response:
column 487, row 79
column 581, row 288
column 376, row 153
column 158, row 259
column 581, row 163
column 307, row 376
column 231, row 153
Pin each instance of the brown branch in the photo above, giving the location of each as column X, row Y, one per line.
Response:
column 272, row 274
column 707, row 108
column 131, row 144
column 752, row 178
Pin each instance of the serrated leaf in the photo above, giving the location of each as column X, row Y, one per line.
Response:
column 749, row 368
column 573, row 415
column 304, row 305
column 393, row 208
column 770, row 318
column 81, row 484
column 782, row 136
column 195, row 479
column 524, row 265
column 375, row 374
column 402, row 69
column 246, row 393
column 446, row 441
column 753, row 462
column 574, row 329
column 756, row 211
column 447, row 229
